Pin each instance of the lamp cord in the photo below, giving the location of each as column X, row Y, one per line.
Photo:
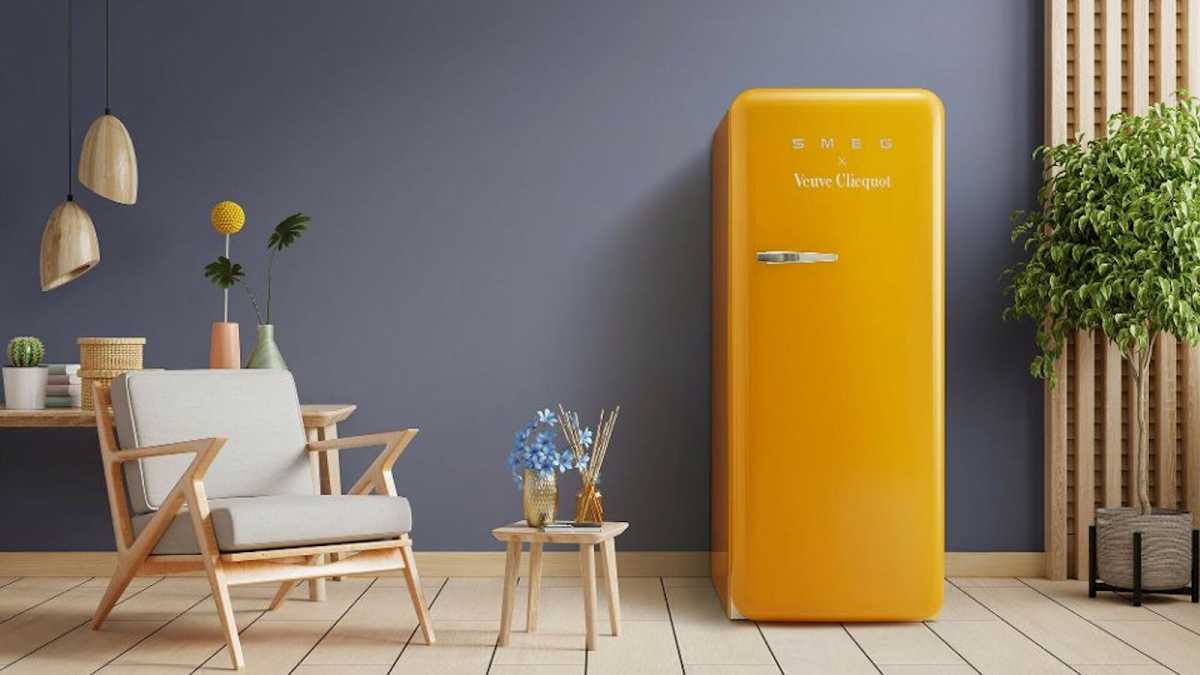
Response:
column 70, row 53
column 107, row 110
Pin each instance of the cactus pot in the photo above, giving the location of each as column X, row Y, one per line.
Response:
column 25, row 388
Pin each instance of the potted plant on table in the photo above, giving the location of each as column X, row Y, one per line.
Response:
column 225, row 274
column 1116, row 248
column 25, row 377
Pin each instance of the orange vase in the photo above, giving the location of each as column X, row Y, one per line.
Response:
column 225, row 350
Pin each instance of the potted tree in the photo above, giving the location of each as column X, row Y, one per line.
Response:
column 1116, row 248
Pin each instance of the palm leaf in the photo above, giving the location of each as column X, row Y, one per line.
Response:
column 288, row 231
column 223, row 272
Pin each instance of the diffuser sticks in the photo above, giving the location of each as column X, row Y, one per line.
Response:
column 589, row 506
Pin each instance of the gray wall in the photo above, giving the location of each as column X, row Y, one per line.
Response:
column 510, row 205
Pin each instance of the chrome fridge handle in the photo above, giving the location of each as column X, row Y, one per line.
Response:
column 795, row 257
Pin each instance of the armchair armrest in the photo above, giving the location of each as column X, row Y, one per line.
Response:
column 363, row 441
column 195, row 445
column 378, row 476
column 189, row 488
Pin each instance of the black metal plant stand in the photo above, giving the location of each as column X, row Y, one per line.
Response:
column 1095, row 584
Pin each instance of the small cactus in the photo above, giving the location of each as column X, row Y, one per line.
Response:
column 25, row 352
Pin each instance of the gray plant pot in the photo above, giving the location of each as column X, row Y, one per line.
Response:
column 1166, row 547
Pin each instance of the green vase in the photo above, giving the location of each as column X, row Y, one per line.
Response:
column 266, row 352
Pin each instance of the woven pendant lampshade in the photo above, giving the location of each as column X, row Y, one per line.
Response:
column 69, row 245
column 107, row 163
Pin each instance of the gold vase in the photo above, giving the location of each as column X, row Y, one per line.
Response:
column 539, row 498
column 589, row 505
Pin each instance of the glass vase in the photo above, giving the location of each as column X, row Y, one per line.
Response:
column 589, row 505
column 539, row 498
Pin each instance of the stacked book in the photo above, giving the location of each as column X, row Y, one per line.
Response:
column 570, row 526
column 64, row 389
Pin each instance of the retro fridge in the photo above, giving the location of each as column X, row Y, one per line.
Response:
column 827, row 481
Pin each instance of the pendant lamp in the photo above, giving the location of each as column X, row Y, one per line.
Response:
column 107, row 163
column 69, row 245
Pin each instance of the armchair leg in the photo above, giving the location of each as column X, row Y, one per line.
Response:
column 207, row 542
column 413, row 578
column 220, row 594
column 281, row 595
column 116, row 588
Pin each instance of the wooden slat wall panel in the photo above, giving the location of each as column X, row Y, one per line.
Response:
column 1056, row 397
column 1164, row 50
column 1190, row 362
column 1104, row 56
column 1110, row 99
column 1085, row 448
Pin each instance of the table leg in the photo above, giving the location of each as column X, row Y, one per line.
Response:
column 511, row 561
column 587, row 576
column 316, row 587
column 609, row 548
column 331, row 475
column 535, row 585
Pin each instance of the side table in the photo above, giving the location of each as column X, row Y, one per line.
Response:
column 519, row 533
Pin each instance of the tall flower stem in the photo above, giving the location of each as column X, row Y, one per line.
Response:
column 226, row 290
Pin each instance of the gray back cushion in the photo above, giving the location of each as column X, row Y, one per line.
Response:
column 258, row 411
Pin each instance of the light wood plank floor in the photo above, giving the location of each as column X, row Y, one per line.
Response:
column 671, row 625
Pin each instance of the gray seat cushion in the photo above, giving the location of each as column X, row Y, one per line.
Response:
column 284, row 521
column 256, row 410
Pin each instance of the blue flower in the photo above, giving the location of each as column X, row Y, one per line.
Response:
column 535, row 448
column 585, row 437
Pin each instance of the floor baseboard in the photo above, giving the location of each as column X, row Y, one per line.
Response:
column 555, row 563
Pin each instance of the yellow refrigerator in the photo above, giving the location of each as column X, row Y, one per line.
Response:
column 828, row 402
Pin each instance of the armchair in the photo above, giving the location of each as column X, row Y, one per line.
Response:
column 242, row 501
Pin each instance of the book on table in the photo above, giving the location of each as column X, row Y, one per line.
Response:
column 63, row 369
column 570, row 526
column 64, row 379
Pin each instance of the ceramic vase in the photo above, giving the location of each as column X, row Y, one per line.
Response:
column 539, row 498
column 25, row 388
column 266, row 352
column 225, row 346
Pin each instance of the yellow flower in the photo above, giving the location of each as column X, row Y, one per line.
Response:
column 228, row 217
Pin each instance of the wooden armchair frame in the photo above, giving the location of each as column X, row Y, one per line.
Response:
column 288, row 566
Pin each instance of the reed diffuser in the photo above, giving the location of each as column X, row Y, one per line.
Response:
column 589, row 503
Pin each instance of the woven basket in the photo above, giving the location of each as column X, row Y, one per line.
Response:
column 88, row 377
column 1166, row 547
column 119, row 354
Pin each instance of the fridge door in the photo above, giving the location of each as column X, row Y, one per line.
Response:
column 837, row 209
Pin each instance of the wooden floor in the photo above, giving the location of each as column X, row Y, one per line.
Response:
column 671, row 625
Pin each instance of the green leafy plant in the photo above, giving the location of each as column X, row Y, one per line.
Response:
column 25, row 352
column 1116, row 246
column 225, row 273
